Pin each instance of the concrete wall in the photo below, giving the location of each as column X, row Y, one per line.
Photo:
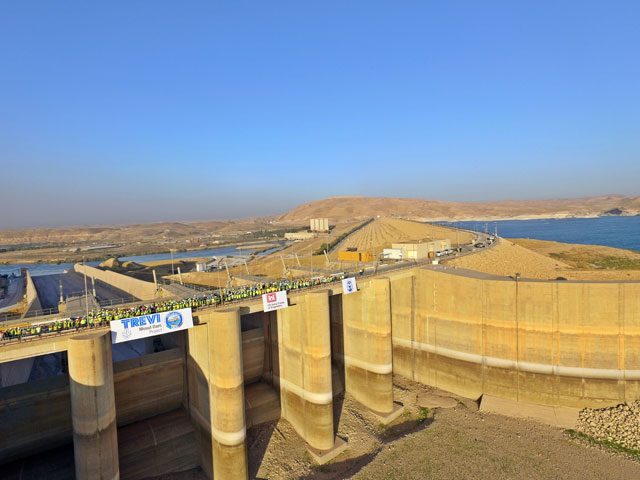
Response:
column 261, row 401
column 33, row 302
column 134, row 287
column 157, row 446
column 553, row 343
column 38, row 413
column 305, row 377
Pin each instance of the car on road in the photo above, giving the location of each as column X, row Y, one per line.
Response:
column 479, row 245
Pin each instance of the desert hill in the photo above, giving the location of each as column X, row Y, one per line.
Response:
column 355, row 208
column 144, row 232
column 338, row 210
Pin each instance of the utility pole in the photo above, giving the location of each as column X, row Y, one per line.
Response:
column 227, row 267
column 285, row 270
column 517, row 343
column 171, row 250
column 86, row 295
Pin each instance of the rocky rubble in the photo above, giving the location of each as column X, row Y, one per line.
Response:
column 619, row 424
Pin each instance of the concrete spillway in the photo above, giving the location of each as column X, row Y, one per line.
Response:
column 559, row 344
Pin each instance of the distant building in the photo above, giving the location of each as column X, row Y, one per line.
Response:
column 419, row 251
column 345, row 256
column 300, row 235
column 319, row 224
column 393, row 253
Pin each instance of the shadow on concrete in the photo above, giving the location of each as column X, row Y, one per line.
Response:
column 55, row 464
column 338, row 402
column 337, row 356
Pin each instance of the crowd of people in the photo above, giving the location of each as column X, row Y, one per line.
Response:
column 104, row 316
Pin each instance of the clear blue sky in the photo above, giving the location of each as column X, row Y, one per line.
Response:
column 118, row 112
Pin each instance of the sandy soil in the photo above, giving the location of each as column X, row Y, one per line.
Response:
column 550, row 260
column 257, row 246
column 271, row 265
column 507, row 258
column 460, row 443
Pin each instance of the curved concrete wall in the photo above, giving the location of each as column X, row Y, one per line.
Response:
column 33, row 302
column 134, row 287
column 554, row 343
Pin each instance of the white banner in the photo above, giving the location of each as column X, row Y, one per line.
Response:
column 349, row 285
column 274, row 301
column 144, row 326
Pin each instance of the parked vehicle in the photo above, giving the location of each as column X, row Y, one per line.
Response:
column 479, row 245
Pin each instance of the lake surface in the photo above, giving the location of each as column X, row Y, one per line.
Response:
column 617, row 232
column 51, row 268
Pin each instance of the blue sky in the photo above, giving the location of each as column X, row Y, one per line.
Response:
column 119, row 112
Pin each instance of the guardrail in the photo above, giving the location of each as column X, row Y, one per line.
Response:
column 123, row 302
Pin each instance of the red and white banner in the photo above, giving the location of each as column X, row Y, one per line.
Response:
column 274, row 301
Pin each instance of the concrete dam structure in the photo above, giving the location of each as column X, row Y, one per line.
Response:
column 555, row 343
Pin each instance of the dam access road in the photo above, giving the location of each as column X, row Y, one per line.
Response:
column 555, row 345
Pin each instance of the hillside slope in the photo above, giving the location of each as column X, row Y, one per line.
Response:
column 384, row 231
column 342, row 208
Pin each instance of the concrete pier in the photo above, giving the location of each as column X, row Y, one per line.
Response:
column 93, row 410
column 226, row 395
column 368, row 354
column 304, row 346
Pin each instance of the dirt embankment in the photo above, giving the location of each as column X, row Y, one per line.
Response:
column 382, row 232
column 507, row 258
column 550, row 260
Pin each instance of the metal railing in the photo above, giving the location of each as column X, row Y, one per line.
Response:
column 49, row 314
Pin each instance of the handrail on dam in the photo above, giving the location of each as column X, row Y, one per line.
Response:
column 104, row 316
column 56, row 325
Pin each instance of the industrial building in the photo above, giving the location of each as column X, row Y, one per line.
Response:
column 415, row 250
column 319, row 224
column 300, row 235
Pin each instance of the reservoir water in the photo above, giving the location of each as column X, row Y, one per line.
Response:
column 617, row 232
column 36, row 269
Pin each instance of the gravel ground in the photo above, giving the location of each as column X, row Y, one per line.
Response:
column 459, row 442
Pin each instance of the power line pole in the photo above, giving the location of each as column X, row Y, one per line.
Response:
column 86, row 295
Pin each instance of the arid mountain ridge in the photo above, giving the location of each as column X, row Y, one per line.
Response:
column 337, row 209
column 342, row 208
